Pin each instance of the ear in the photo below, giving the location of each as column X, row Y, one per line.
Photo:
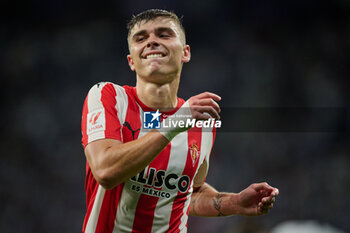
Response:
column 131, row 62
column 186, row 57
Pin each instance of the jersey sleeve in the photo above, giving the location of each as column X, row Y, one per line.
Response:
column 100, row 117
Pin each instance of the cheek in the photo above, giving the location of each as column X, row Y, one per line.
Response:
column 177, row 49
column 178, row 54
column 135, row 58
column 135, row 51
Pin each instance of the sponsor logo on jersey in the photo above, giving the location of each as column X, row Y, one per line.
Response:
column 96, row 121
column 150, row 191
column 157, row 180
column 194, row 153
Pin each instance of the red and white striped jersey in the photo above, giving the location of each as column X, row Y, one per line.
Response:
column 158, row 198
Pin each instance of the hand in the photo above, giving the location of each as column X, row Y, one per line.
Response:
column 257, row 199
column 205, row 103
column 199, row 107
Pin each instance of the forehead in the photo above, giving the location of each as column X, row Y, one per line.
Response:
column 155, row 23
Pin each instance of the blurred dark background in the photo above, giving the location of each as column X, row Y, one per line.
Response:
column 252, row 53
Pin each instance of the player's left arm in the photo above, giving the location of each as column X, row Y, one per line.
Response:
column 255, row 200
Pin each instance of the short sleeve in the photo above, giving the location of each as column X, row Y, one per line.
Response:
column 100, row 118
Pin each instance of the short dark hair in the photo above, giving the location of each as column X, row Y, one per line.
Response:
column 151, row 14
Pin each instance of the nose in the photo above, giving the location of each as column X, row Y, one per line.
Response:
column 152, row 42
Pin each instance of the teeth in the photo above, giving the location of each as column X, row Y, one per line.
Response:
column 154, row 55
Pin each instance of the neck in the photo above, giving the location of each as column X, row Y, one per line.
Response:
column 158, row 96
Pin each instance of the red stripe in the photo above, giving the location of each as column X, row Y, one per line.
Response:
column 106, row 218
column 214, row 135
column 90, row 182
column 108, row 99
column 194, row 136
column 91, row 190
column 132, row 118
column 146, row 205
column 84, row 139
column 212, row 146
column 187, row 212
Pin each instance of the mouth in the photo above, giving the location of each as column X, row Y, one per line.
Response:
column 154, row 55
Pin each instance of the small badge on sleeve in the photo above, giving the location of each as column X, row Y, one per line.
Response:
column 96, row 121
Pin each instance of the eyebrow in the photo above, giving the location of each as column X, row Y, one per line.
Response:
column 157, row 31
column 139, row 33
column 165, row 29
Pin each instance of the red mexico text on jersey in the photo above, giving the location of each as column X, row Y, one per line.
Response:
column 158, row 198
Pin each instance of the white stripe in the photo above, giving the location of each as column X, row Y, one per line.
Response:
column 184, row 230
column 94, row 98
column 177, row 163
column 94, row 103
column 206, row 145
column 122, row 104
column 128, row 202
column 126, row 209
column 93, row 218
column 184, row 217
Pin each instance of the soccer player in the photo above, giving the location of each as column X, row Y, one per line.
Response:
column 150, row 181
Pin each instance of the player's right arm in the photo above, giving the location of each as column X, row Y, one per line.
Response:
column 113, row 162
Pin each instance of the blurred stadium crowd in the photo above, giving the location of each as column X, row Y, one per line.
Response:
column 252, row 53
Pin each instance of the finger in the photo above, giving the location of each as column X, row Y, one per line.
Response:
column 264, row 208
column 201, row 116
column 268, row 200
column 208, row 95
column 262, row 186
column 265, row 189
column 267, row 207
column 275, row 192
column 204, row 115
column 209, row 102
column 266, row 203
column 200, row 110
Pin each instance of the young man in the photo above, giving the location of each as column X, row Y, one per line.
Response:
column 149, row 181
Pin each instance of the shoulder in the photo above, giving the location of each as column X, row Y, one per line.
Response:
column 108, row 90
column 103, row 86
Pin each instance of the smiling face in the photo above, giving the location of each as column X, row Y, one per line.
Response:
column 157, row 50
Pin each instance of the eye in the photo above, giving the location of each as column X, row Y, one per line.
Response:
column 164, row 35
column 140, row 39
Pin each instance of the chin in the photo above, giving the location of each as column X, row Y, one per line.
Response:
column 160, row 76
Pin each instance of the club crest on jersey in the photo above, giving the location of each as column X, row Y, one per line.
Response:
column 96, row 121
column 194, row 153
